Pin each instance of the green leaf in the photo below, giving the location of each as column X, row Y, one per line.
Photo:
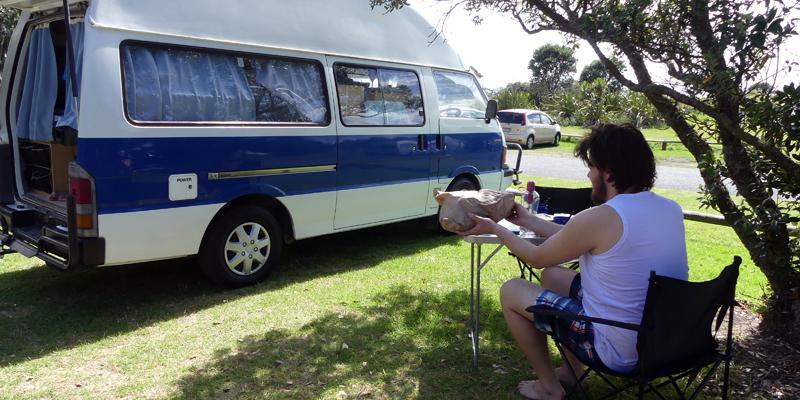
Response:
column 775, row 27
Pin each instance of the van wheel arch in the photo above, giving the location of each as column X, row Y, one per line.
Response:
column 269, row 203
column 464, row 182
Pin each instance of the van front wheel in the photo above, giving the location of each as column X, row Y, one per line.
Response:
column 241, row 247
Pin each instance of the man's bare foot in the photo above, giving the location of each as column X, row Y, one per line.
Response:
column 535, row 390
column 563, row 375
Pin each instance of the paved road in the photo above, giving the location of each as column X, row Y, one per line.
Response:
column 572, row 168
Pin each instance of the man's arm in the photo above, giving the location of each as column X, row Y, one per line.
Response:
column 595, row 230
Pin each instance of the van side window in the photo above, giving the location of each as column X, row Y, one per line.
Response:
column 459, row 95
column 165, row 84
column 378, row 96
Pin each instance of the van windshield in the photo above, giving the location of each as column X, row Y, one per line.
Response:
column 459, row 95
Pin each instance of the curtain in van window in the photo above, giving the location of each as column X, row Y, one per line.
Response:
column 35, row 117
column 298, row 84
column 70, row 117
column 142, row 87
column 176, row 85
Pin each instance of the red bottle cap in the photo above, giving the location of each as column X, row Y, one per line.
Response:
column 531, row 186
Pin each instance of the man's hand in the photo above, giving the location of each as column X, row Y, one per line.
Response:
column 520, row 216
column 484, row 225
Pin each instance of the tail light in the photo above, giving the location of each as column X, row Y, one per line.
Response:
column 82, row 186
column 505, row 154
column 524, row 120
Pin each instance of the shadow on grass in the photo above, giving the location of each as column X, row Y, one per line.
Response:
column 42, row 311
column 400, row 344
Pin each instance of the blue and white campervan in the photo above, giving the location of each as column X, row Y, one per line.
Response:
column 145, row 130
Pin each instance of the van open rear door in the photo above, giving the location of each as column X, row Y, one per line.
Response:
column 47, row 241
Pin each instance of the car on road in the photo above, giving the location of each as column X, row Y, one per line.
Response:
column 528, row 127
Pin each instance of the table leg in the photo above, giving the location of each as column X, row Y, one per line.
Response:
column 475, row 296
column 472, row 336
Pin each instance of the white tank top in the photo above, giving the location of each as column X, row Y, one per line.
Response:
column 615, row 282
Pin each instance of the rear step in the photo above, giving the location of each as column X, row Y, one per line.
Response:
column 51, row 240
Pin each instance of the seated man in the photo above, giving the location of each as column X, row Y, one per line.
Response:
column 631, row 232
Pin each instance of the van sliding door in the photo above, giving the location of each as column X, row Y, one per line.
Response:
column 383, row 143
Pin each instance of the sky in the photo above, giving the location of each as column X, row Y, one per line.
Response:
column 500, row 50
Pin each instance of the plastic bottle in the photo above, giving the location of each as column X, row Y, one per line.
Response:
column 531, row 198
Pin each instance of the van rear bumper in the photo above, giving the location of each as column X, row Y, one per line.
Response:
column 23, row 233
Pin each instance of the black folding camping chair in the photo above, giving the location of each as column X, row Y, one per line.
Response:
column 674, row 338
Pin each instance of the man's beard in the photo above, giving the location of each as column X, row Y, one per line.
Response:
column 599, row 193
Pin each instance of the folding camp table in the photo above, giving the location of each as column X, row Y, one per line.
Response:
column 477, row 263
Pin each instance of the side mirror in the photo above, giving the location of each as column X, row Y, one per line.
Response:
column 491, row 111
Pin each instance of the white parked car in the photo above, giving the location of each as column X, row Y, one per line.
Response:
column 528, row 127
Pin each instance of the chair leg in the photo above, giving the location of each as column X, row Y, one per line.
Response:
column 728, row 355
column 572, row 372
column 725, row 381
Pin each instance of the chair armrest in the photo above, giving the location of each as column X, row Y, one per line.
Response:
column 547, row 310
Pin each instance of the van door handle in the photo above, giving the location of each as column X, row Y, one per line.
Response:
column 439, row 142
column 421, row 139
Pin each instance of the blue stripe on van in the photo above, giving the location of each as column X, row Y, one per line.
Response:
column 132, row 174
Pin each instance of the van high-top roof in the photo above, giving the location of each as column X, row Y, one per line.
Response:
column 335, row 27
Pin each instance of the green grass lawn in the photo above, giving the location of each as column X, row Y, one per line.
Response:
column 649, row 133
column 378, row 313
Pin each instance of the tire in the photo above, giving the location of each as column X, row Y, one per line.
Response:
column 557, row 139
column 241, row 247
column 529, row 142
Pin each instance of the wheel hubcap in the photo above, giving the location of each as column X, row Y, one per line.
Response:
column 247, row 248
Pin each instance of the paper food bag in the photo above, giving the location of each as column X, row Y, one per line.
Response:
column 486, row 203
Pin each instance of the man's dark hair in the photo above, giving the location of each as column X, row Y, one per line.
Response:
column 622, row 151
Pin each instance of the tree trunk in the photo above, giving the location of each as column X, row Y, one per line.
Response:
column 774, row 259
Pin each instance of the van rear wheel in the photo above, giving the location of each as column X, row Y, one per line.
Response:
column 241, row 247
